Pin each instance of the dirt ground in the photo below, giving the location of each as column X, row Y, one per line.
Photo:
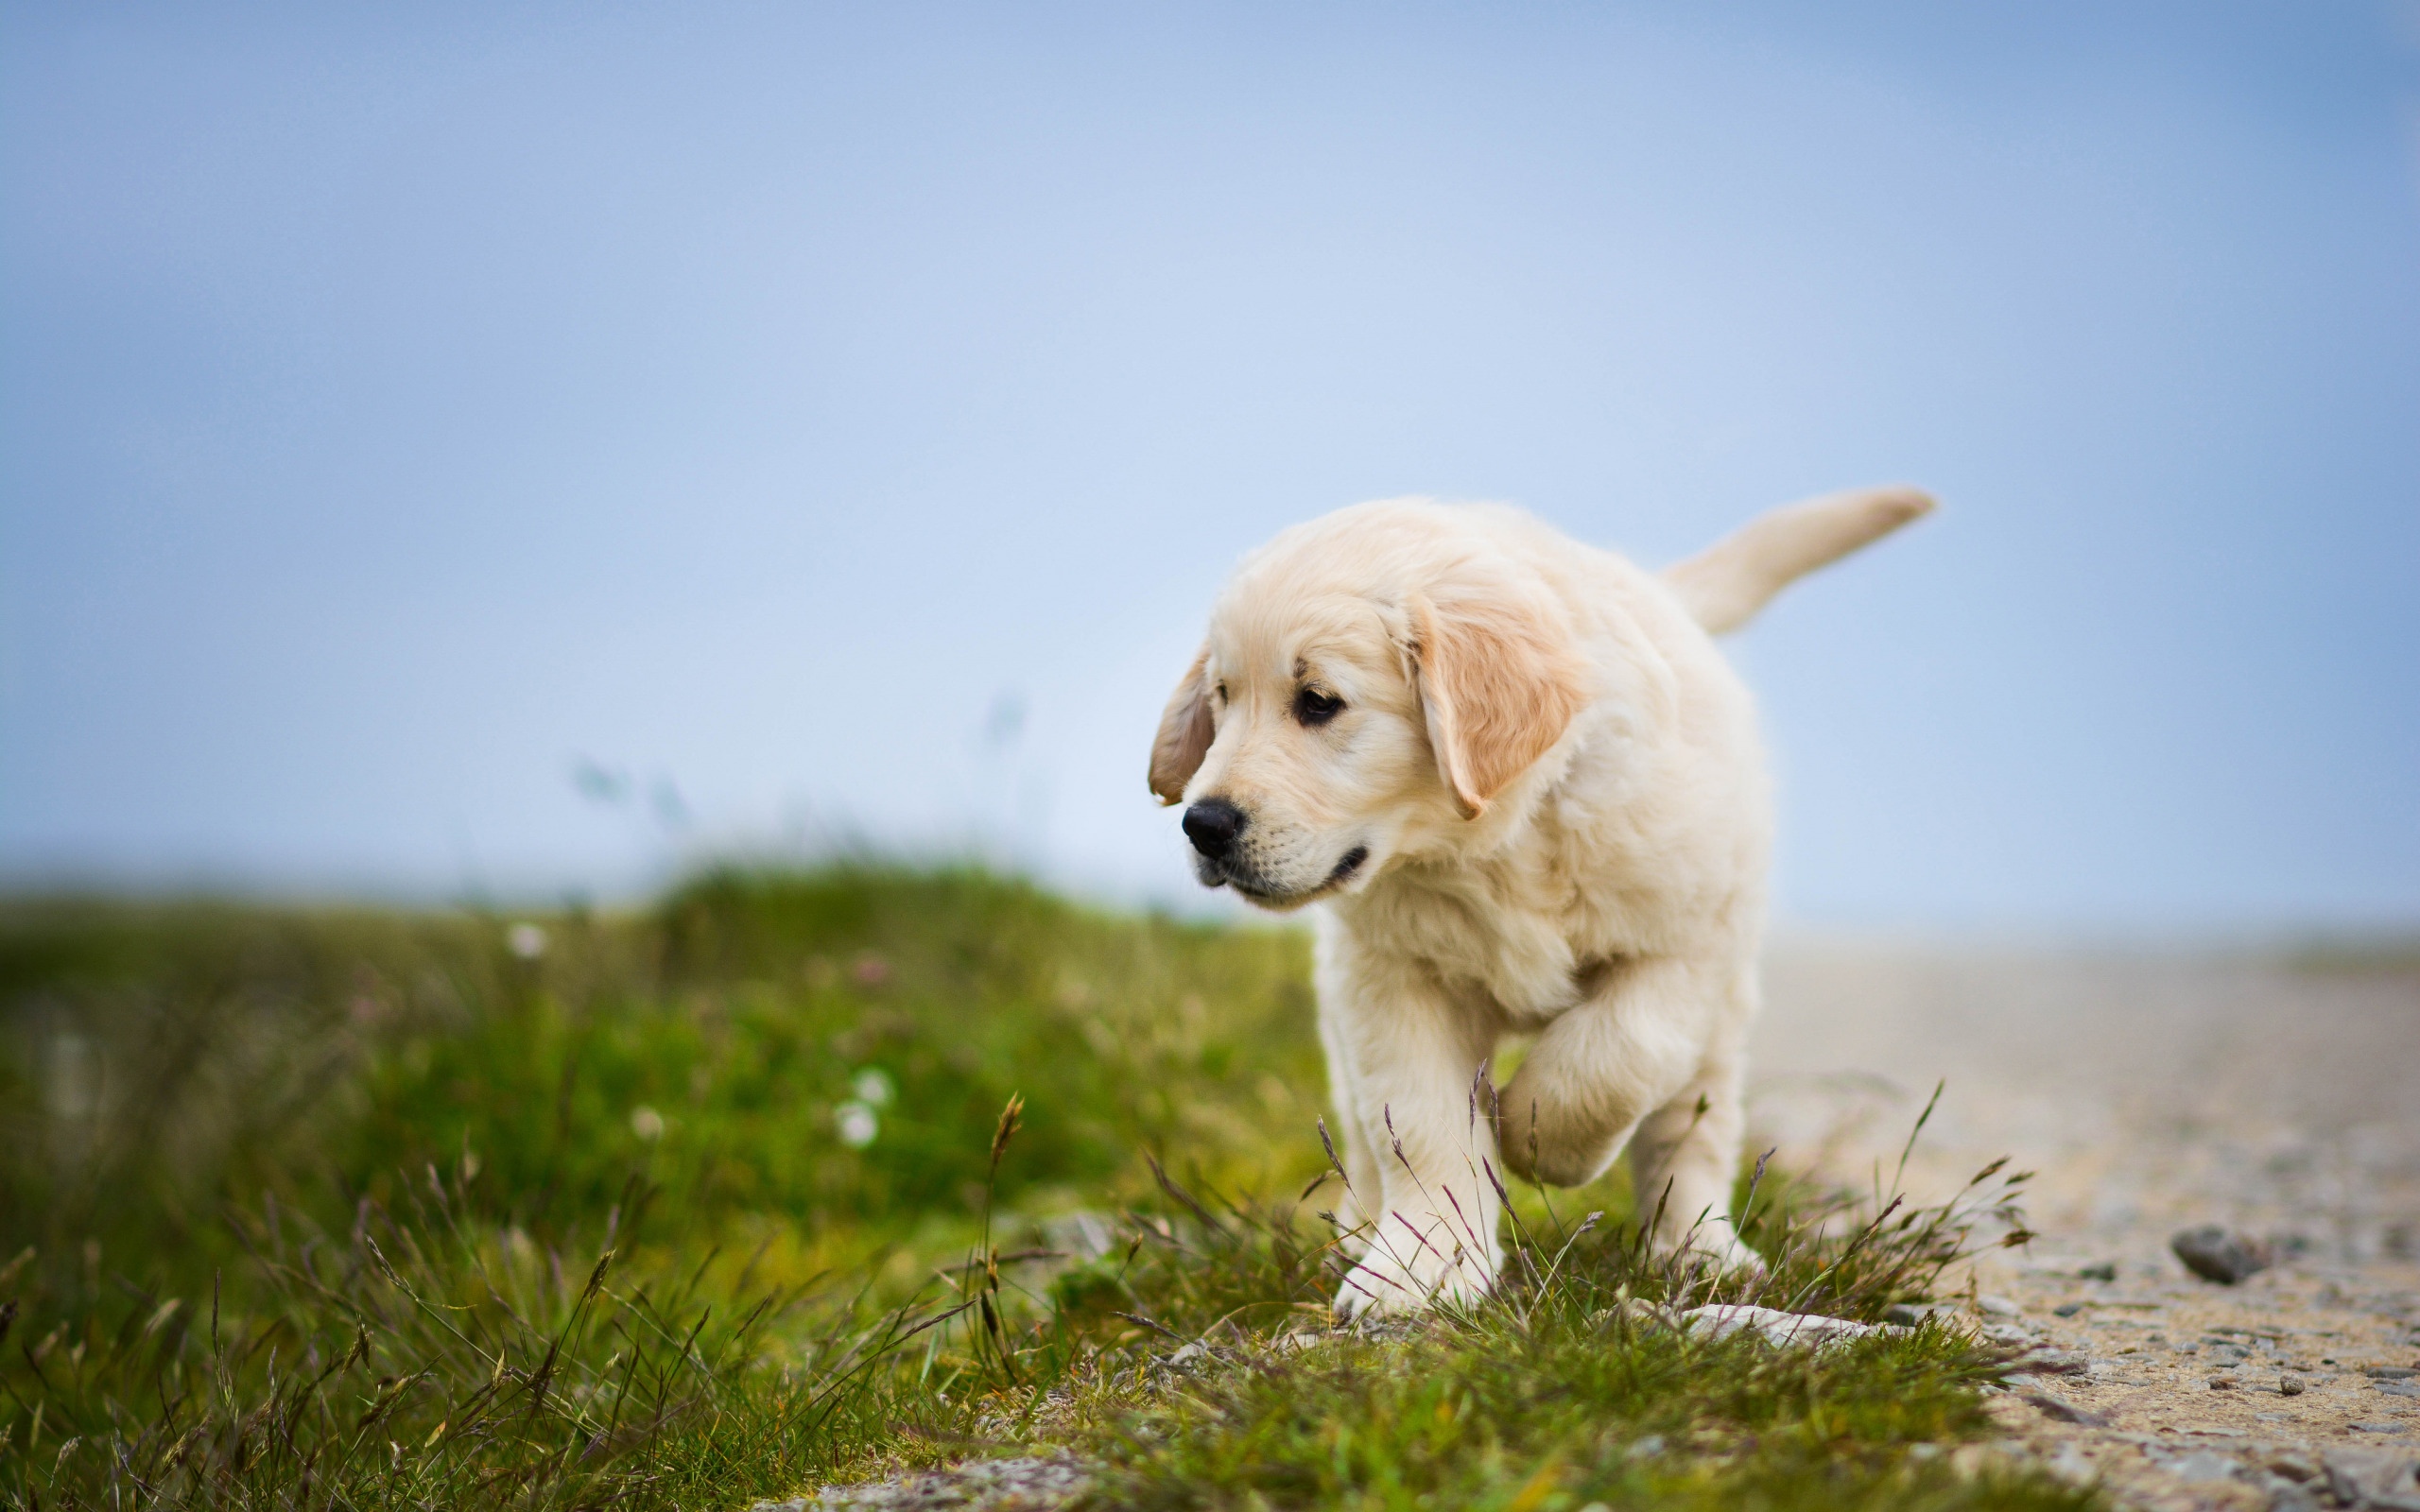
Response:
column 2152, row 1094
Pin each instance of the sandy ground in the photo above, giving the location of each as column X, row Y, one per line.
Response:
column 2151, row 1094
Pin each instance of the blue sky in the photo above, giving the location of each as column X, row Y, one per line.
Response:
column 818, row 421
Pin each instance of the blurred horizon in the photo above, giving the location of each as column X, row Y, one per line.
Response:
column 516, row 454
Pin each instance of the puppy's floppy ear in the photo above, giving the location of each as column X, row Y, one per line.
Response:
column 1499, row 679
column 1186, row 733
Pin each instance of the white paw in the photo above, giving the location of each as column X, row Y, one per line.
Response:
column 1404, row 1271
column 1715, row 1244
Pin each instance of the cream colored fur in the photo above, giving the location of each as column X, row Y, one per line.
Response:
column 1539, row 809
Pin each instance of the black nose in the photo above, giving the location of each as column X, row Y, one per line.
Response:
column 1212, row 825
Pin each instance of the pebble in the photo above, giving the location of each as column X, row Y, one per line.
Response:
column 2063, row 1410
column 2214, row 1254
column 1998, row 1306
column 2069, row 1464
column 2105, row 1271
column 2294, row 1466
column 2201, row 1465
column 1777, row 1326
column 991, row 1485
column 2373, row 1478
column 2285, row 1496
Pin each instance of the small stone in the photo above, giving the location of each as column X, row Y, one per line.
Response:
column 2388, row 1372
column 2398, row 1388
column 2068, row 1309
column 2071, row 1465
column 2291, row 1385
column 2294, row 1466
column 2063, row 1410
column 1774, row 1325
column 2214, row 1254
column 2222, row 1382
column 1908, row 1314
column 2201, row 1465
column 1998, row 1306
column 2105, row 1271
column 2371, row 1477
column 2285, row 1496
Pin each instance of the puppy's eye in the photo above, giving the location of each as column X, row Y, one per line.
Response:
column 1313, row 707
column 1223, row 693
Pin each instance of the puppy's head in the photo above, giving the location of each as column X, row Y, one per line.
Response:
column 1372, row 683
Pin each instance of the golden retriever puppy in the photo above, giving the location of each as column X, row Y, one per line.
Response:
column 1526, row 790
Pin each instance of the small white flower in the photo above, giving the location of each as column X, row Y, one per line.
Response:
column 526, row 940
column 855, row 1124
column 872, row 1088
column 647, row 1123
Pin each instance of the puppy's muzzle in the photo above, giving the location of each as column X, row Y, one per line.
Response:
column 1213, row 826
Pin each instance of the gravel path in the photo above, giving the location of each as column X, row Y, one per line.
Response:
column 2152, row 1095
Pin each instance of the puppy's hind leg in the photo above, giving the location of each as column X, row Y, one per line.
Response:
column 1653, row 1061
column 1683, row 1157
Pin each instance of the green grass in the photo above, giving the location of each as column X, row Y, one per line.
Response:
column 357, row 1209
column 1566, row 1389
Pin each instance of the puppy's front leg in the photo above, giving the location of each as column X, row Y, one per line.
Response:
column 1362, row 1203
column 1661, row 1038
column 1413, row 1056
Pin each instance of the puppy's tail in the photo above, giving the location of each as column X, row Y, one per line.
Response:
column 1725, row 584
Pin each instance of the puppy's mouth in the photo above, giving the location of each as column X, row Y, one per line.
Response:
column 1228, row 874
